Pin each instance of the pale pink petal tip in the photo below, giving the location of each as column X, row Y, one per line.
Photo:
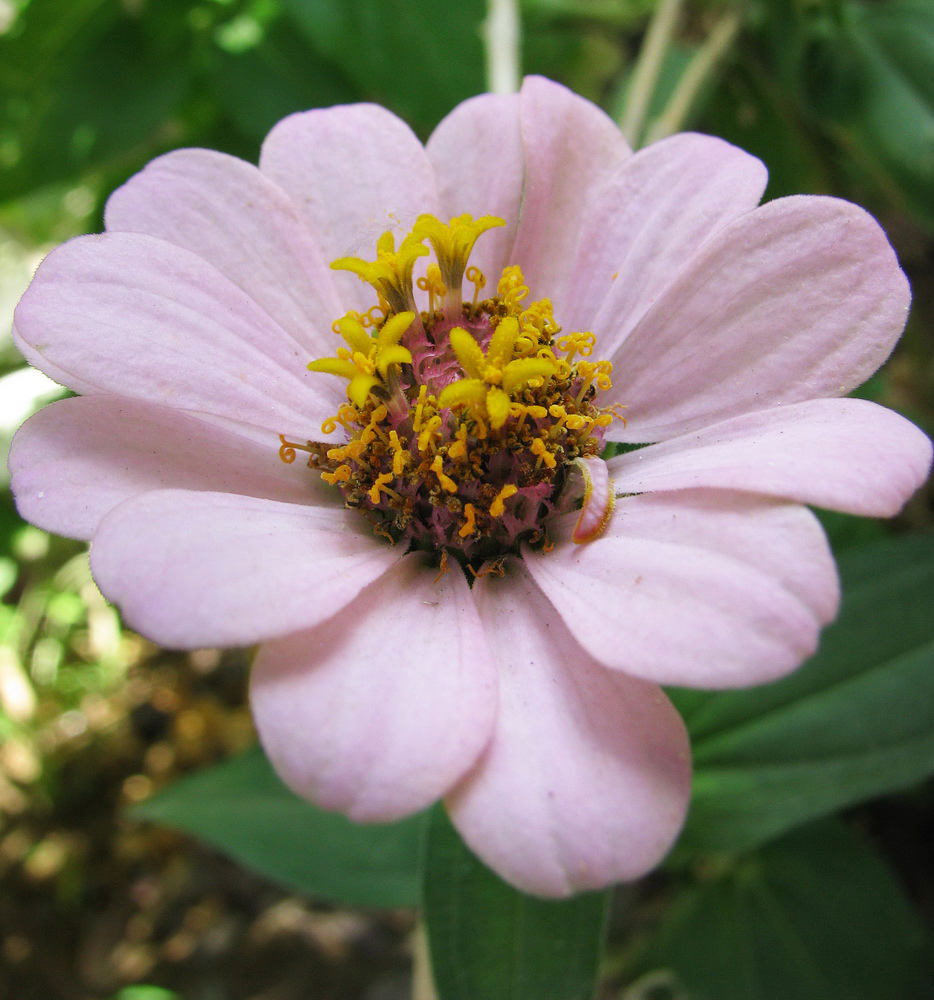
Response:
column 587, row 777
column 197, row 568
column 378, row 711
column 598, row 499
column 698, row 588
column 843, row 454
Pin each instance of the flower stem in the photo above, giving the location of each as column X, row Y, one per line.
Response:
column 502, row 35
column 423, row 987
column 648, row 67
column 698, row 71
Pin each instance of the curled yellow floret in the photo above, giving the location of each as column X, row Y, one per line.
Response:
column 453, row 242
column 391, row 273
column 492, row 377
column 366, row 360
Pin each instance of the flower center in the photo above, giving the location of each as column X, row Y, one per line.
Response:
column 464, row 422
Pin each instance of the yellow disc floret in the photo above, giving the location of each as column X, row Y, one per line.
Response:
column 391, row 273
column 465, row 421
column 495, row 377
column 453, row 244
column 366, row 361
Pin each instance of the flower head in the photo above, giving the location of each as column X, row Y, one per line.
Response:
column 456, row 596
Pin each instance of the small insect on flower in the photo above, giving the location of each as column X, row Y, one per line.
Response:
column 455, row 594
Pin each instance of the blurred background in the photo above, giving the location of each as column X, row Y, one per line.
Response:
column 835, row 97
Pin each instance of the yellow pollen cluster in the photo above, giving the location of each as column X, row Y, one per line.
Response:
column 464, row 420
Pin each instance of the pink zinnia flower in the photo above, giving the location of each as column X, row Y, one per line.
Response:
column 439, row 616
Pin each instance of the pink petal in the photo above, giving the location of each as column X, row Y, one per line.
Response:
column 215, row 569
column 77, row 459
column 570, row 147
column 644, row 225
column 706, row 589
column 587, row 777
column 233, row 216
column 133, row 315
column 799, row 299
column 380, row 709
column 845, row 454
column 73, row 383
column 476, row 152
column 353, row 172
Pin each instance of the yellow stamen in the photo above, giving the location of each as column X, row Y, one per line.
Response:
column 434, row 285
column 477, row 278
column 391, row 273
column 544, row 455
column 380, row 486
column 428, row 432
column 453, row 244
column 446, row 482
column 498, row 506
column 340, row 475
column 420, row 408
column 288, row 449
column 458, row 448
column 470, row 522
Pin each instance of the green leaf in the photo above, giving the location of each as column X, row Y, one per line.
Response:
column 418, row 58
column 814, row 916
column 243, row 809
column 853, row 723
column 869, row 80
column 279, row 75
column 143, row 992
column 749, row 109
column 84, row 85
column 488, row 941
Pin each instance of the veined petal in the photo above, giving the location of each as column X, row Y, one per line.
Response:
column 644, row 223
column 845, row 454
column 378, row 711
column 702, row 588
column 599, row 500
column 587, row 777
column 215, row 569
column 132, row 315
column 77, row 459
column 569, row 147
column 226, row 211
column 801, row 298
column 476, row 153
column 352, row 172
